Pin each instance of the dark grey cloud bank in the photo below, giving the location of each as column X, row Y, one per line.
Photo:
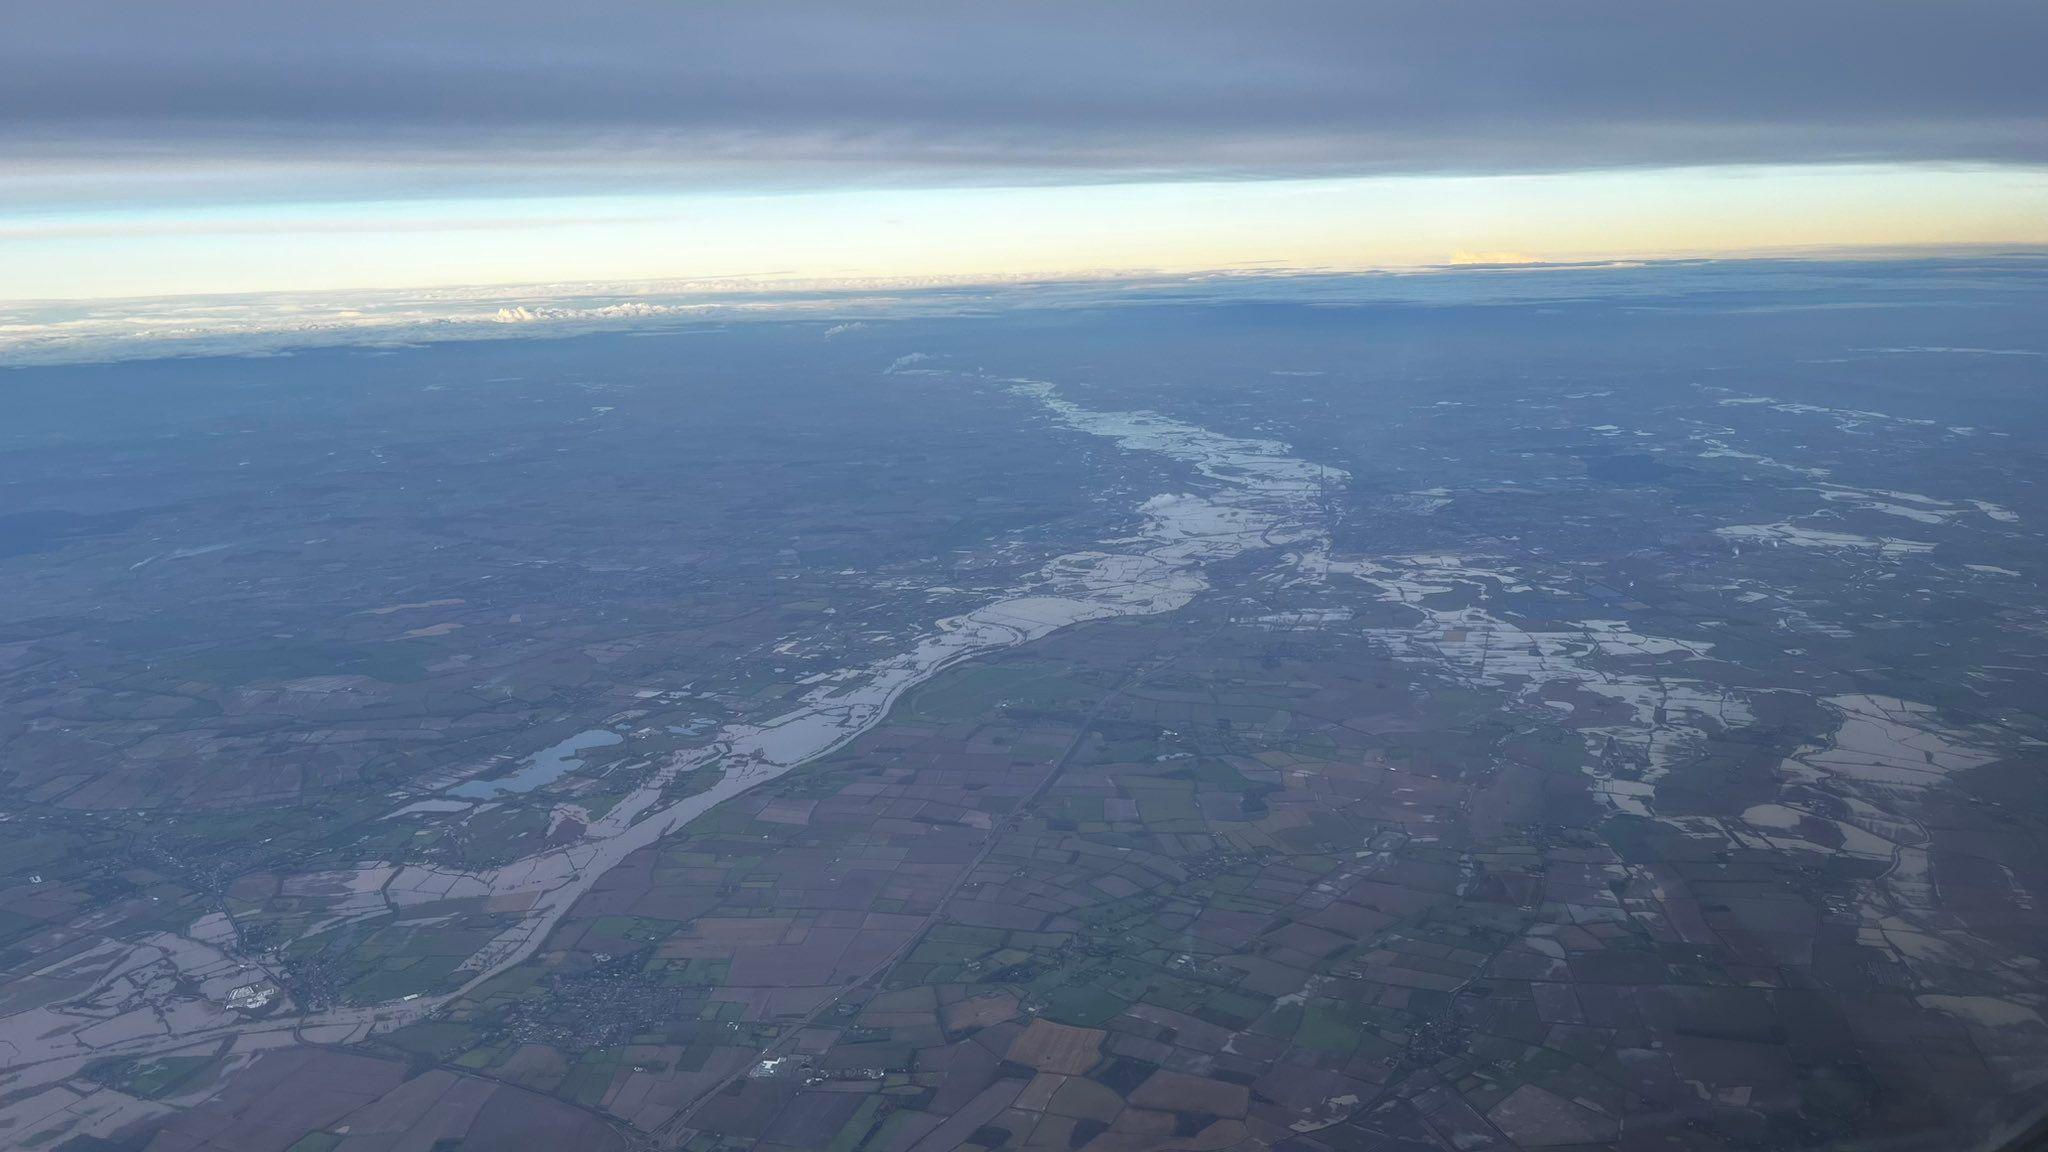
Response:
column 683, row 91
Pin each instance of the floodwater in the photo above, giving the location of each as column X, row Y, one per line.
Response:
column 543, row 767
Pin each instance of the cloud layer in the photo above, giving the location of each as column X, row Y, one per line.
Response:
column 425, row 96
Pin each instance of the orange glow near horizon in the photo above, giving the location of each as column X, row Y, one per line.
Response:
column 1022, row 231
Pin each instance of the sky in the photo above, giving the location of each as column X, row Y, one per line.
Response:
column 175, row 147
